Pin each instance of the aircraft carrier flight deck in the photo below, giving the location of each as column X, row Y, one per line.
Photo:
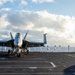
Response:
column 38, row 63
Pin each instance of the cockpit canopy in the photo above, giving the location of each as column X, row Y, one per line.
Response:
column 18, row 34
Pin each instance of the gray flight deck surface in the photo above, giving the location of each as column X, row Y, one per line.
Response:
column 38, row 63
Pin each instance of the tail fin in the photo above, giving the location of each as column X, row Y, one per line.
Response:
column 11, row 35
column 26, row 34
column 45, row 40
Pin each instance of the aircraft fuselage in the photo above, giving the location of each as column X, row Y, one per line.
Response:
column 18, row 40
column 17, row 43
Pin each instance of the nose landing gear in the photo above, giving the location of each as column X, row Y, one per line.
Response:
column 18, row 55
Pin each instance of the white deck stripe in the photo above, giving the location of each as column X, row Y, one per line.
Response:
column 25, row 61
column 26, row 67
column 32, row 67
column 53, row 64
column 71, row 55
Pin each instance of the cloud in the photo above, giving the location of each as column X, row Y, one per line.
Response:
column 5, row 9
column 3, row 22
column 60, row 28
column 4, row 1
column 42, row 1
column 24, row 2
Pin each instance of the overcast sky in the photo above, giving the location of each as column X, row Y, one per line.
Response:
column 54, row 17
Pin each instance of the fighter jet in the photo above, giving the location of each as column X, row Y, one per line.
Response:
column 18, row 44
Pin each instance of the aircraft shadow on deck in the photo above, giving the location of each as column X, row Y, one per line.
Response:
column 70, row 70
column 7, row 57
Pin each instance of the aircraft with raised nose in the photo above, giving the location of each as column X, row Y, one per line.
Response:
column 18, row 44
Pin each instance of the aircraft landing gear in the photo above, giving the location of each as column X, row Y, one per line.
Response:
column 8, row 51
column 27, row 52
column 18, row 55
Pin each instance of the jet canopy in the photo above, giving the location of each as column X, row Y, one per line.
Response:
column 17, row 35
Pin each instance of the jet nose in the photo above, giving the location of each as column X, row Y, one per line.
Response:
column 18, row 41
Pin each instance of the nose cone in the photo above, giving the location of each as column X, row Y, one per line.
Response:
column 18, row 42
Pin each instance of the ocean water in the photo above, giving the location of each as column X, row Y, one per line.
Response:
column 53, row 49
column 45, row 49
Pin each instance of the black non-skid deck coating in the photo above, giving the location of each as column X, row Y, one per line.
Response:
column 37, row 63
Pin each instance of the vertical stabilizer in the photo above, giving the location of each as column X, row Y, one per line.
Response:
column 11, row 35
column 26, row 34
column 45, row 40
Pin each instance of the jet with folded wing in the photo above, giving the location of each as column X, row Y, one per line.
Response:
column 18, row 44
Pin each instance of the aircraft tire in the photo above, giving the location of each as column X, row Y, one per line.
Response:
column 19, row 55
column 8, row 51
column 27, row 51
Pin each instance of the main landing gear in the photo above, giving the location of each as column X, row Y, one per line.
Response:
column 15, row 54
column 27, row 52
column 8, row 51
